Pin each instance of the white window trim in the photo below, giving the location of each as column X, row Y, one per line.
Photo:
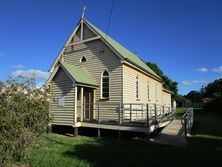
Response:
column 137, row 88
column 101, row 85
column 148, row 91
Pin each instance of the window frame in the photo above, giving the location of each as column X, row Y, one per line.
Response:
column 102, row 86
column 137, row 87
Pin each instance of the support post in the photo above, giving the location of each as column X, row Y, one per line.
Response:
column 120, row 109
column 155, row 109
column 147, row 116
column 185, row 127
column 163, row 109
column 98, row 133
column 75, row 111
column 76, row 131
column 82, row 105
column 98, row 108
column 131, row 118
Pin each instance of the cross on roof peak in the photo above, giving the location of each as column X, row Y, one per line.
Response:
column 83, row 11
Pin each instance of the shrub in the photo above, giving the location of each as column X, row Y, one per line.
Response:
column 23, row 118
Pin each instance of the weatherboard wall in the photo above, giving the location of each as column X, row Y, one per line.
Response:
column 99, row 57
column 62, row 85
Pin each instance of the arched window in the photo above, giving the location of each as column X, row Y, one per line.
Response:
column 156, row 92
column 105, row 85
column 137, row 87
column 83, row 59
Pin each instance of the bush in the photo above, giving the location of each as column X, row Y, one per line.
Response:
column 214, row 106
column 23, row 118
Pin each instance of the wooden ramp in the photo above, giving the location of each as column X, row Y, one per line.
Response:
column 172, row 134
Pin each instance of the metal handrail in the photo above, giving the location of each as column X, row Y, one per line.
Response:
column 187, row 121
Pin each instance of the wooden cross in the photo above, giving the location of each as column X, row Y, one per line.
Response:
column 83, row 11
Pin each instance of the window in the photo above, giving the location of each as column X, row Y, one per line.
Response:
column 156, row 93
column 83, row 59
column 61, row 101
column 137, row 87
column 148, row 90
column 105, row 85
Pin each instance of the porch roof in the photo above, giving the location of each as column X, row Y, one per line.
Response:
column 79, row 74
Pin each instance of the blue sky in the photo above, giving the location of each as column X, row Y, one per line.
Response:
column 184, row 37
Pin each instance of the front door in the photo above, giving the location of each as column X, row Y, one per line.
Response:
column 88, row 103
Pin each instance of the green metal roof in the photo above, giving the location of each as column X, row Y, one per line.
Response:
column 129, row 56
column 79, row 74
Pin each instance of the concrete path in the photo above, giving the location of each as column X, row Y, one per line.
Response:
column 171, row 134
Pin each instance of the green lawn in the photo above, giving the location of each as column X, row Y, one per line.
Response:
column 203, row 149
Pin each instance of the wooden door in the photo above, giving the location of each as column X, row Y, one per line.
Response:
column 88, row 99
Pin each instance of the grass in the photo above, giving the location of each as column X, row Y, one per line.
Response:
column 204, row 148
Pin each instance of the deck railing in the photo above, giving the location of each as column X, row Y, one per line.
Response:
column 135, row 114
column 187, row 121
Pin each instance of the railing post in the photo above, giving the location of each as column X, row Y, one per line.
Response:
column 120, row 110
column 155, row 109
column 98, row 108
column 147, row 116
column 185, row 127
column 142, row 110
column 131, row 118
column 163, row 109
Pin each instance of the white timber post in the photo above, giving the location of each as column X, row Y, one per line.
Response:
column 147, row 116
column 81, row 36
column 81, row 101
column 120, row 113
column 131, row 117
column 155, row 108
column 75, row 111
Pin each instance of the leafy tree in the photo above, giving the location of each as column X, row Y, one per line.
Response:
column 23, row 118
column 168, row 83
column 194, row 96
column 213, row 89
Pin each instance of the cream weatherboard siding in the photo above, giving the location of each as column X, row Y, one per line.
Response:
column 62, row 85
column 87, row 33
column 129, row 87
column 166, row 98
column 99, row 58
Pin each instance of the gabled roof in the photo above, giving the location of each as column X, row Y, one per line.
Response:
column 122, row 51
column 79, row 74
column 129, row 56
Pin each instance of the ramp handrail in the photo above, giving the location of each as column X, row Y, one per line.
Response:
column 187, row 121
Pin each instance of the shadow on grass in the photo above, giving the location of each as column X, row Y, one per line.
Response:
column 199, row 151
column 204, row 148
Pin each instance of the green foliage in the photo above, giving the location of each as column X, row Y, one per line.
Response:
column 23, row 118
column 194, row 96
column 213, row 91
column 168, row 83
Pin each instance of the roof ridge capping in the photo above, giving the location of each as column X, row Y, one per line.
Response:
column 127, row 55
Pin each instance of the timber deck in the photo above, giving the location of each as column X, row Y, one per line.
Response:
column 128, row 127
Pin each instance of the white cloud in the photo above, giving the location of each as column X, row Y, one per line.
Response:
column 218, row 69
column 18, row 66
column 202, row 69
column 194, row 82
column 2, row 54
column 31, row 73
